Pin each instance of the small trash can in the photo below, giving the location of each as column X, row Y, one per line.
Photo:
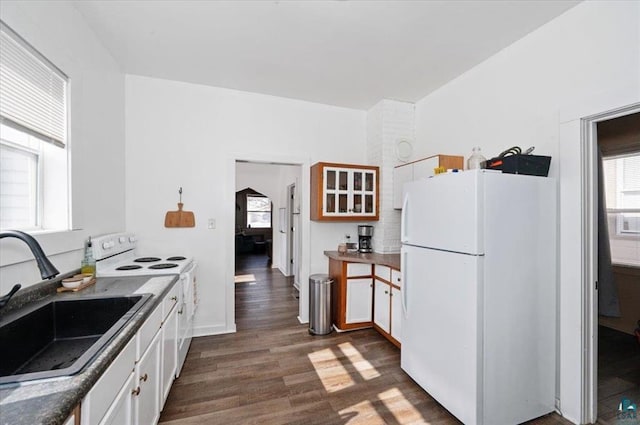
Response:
column 320, row 304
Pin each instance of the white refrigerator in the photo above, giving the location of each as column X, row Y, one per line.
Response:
column 479, row 293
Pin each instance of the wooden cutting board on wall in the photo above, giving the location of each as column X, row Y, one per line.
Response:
column 179, row 218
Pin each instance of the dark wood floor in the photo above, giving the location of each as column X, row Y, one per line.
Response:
column 273, row 372
column 618, row 374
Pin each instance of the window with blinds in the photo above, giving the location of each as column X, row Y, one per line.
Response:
column 33, row 138
column 622, row 181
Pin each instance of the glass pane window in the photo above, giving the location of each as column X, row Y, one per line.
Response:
column 18, row 188
column 34, row 158
column 622, row 183
column 622, row 195
column 258, row 211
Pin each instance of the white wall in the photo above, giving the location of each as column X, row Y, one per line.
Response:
column 181, row 134
column 516, row 98
column 96, row 136
column 271, row 180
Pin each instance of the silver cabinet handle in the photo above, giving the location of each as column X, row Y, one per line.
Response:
column 144, row 378
column 136, row 392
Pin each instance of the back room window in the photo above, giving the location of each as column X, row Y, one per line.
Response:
column 34, row 185
column 258, row 211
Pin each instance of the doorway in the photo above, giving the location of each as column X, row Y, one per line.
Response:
column 618, row 321
column 595, row 395
column 264, row 246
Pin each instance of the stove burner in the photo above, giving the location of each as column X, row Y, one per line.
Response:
column 177, row 258
column 146, row 259
column 163, row 266
column 130, row 267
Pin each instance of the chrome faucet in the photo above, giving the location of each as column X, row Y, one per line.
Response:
column 47, row 270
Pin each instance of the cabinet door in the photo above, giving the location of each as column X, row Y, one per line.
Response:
column 359, row 300
column 169, row 353
column 381, row 313
column 396, row 314
column 121, row 411
column 148, row 380
column 401, row 175
column 425, row 168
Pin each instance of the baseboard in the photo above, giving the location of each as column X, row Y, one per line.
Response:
column 213, row 330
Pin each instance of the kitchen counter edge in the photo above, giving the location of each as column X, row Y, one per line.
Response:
column 389, row 260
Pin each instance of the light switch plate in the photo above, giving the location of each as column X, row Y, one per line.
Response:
column 211, row 224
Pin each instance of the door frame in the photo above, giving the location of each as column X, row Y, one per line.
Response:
column 576, row 384
column 228, row 226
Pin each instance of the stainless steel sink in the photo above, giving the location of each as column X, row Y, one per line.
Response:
column 61, row 337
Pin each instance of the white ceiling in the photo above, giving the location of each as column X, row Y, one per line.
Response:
column 344, row 53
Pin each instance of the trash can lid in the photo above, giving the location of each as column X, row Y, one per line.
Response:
column 320, row 277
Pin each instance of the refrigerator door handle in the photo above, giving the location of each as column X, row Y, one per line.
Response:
column 405, row 285
column 403, row 219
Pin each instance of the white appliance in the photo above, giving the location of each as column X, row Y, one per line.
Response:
column 479, row 282
column 116, row 256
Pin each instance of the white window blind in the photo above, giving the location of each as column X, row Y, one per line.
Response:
column 33, row 91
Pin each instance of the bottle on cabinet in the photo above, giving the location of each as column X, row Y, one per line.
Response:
column 476, row 160
column 88, row 264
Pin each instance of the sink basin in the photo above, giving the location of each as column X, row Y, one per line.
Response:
column 61, row 337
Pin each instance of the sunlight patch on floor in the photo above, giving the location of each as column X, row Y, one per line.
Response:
column 401, row 408
column 331, row 372
column 364, row 368
column 361, row 413
column 246, row 278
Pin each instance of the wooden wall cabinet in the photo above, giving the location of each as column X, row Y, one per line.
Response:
column 344, row 192
column 420, row 169
column 352, row 294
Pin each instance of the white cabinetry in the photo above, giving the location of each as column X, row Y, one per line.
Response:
column 381, row 312
column 359, row 298
column 133, row 389
column 387, row 308
column 420, row 169
column 121, row 410
column 396, row 314
column 147, row 393
column 169, row 352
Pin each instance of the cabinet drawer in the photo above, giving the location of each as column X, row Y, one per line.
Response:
column 96, row 403
column 396, row 277
column 383, row 272
column 148, row 330
column 358, row 269
column 170, row 300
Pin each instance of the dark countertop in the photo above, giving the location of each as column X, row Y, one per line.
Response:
column 390, row 260
column 51, row 401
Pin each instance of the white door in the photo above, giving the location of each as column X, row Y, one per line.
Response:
column 440, row 329
column 359, row 300
column 381, row 305
column 148, row 381
column 396, row 314
column 443, row 212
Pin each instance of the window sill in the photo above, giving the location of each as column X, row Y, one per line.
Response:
column 14, row 251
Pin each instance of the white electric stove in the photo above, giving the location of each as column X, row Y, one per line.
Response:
column 116, row 256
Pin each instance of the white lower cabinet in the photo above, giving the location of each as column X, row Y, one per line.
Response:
column 169, row 352
column 121, row 411
column 387, row 304
column 381, row 307
column 134, row 387
column 359, row 300
column 147, row 393
column 396, row 314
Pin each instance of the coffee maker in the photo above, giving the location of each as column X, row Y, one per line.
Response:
column 365, row 232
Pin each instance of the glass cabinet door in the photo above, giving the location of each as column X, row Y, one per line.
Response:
column 349, row 192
